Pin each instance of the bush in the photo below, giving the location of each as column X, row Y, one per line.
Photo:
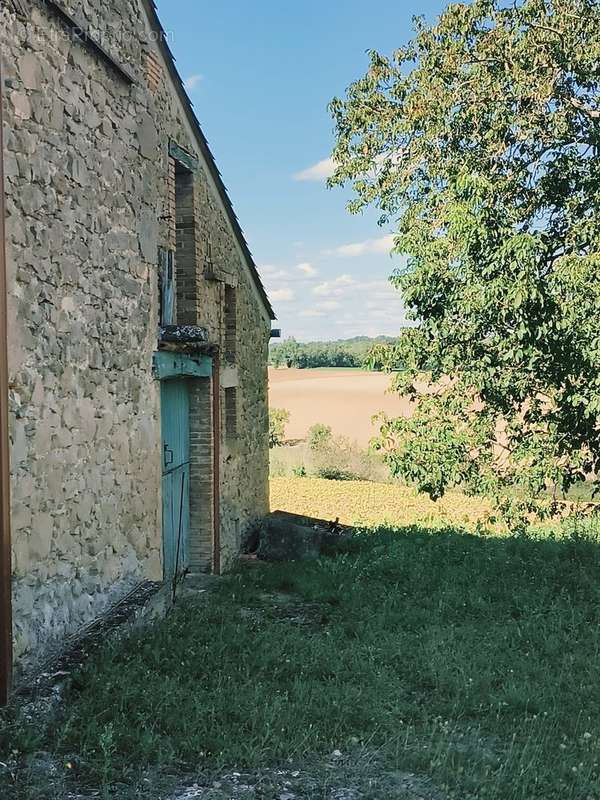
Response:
column 336, row 474
column 335, row 458
column 319, row 436
column 278, row 419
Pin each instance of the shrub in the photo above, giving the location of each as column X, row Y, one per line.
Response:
column 336, row 474
column 319, row 436
column 278, row 419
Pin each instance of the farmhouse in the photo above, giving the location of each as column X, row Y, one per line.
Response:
column 138, row 326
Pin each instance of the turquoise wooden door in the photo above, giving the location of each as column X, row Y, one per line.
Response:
column 175, row 411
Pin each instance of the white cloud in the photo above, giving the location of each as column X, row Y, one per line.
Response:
column 192, row 81
column 342, row 307
column 382, row 245
column 317, row 172
column 307, row 269
column 311, row 312
column 281, row 295
column 272, row 273
column 334, row 287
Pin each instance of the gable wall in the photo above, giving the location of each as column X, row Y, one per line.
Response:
column 87, row 173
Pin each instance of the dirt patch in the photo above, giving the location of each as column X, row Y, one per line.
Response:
column 340, row 778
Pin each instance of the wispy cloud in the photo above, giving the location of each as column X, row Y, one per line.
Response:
column 307, row 269
column 336, row 286
column 271, row 273
column 317, row 172
column 345, row 305
column 311, row 312
column 281, row 295
column 382, row 245
column 192, row 81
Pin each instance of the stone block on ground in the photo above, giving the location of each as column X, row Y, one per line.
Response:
column 282, row 539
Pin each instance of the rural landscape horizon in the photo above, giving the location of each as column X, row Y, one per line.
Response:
column 300, row 400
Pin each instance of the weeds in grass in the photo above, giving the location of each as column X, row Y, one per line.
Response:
column 331, row 457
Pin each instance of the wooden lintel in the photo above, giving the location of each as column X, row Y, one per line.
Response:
column 187, row 160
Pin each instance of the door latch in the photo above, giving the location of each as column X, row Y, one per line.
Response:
column 167, row 452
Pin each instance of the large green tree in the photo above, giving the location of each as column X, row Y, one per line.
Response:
column 479, row 141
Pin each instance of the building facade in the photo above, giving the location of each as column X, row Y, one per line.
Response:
column 138, row 325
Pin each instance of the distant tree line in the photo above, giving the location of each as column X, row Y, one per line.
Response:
column 354, row 352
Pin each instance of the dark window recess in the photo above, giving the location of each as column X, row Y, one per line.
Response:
column 230, row 324
column 167, row 287
column 185, row 258
column 231, row 412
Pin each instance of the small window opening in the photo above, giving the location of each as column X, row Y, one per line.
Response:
column 231, row 412
column 185, row 253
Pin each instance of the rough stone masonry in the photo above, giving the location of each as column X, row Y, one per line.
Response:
column 93, row 193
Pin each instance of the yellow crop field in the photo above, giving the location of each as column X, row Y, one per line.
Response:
column 368, row 504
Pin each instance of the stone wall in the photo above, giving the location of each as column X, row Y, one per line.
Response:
column 244, row 477
column 88, row 204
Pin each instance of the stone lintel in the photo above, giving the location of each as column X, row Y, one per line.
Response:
column 229, row 377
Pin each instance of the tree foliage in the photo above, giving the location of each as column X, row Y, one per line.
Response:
column 339, row 353
column 479, row 141
column 278, row 420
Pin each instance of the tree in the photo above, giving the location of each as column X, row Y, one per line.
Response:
column 479, row 141
column 319, row 436
column 278, row 419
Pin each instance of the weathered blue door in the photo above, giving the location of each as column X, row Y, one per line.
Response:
column 175, row 409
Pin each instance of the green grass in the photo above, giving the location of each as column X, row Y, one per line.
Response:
column 470, row 660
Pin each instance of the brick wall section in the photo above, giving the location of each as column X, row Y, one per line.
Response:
column 154, row 72
column 186, row 254
column 231, row 413
column 201, row 475
column 230, row 325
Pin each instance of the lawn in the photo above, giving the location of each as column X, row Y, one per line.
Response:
column 407, row 662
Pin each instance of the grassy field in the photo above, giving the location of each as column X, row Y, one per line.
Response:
column 415, row 660
column 369, row 504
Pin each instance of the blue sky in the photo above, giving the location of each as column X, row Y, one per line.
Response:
column 260, row 76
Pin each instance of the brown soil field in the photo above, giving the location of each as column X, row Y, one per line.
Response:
column 344, row 399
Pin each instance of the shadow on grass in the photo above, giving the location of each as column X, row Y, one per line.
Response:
column 470, row 660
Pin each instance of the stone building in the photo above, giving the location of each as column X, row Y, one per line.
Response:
column 138, row 324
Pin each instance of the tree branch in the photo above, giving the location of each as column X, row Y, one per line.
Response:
column 593, row 113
